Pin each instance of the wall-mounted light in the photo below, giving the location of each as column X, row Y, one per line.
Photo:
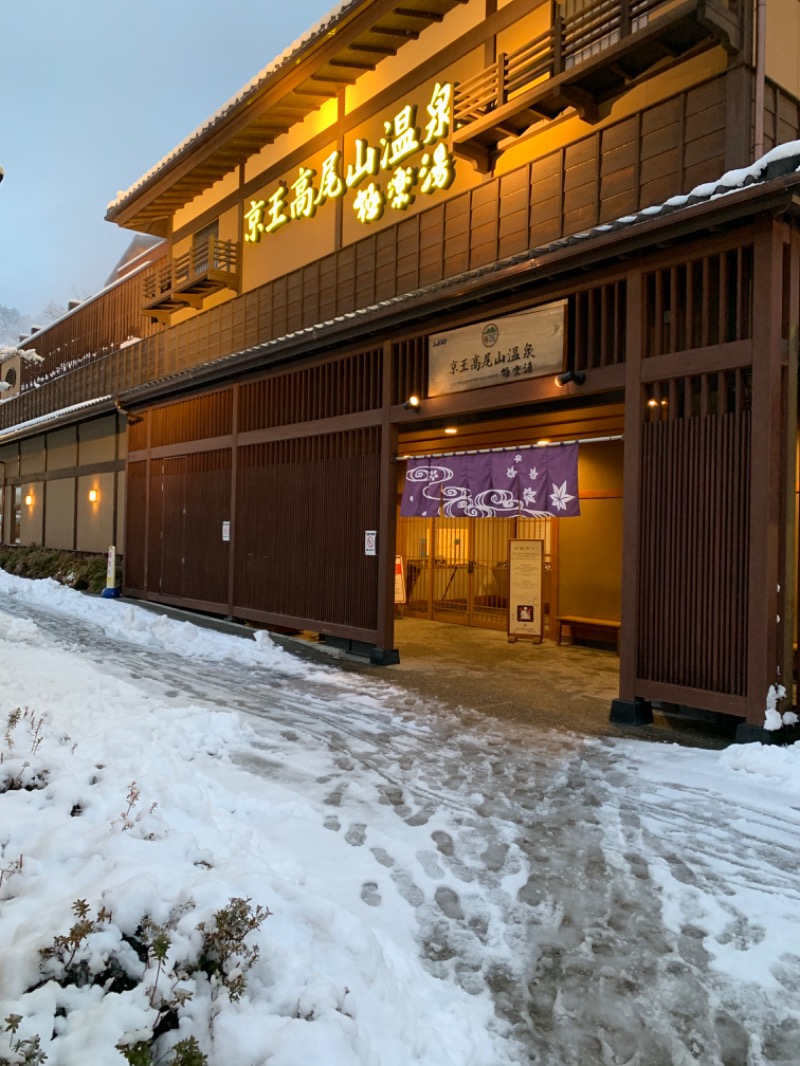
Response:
column 411, row 404
column 576, row 376
column 450, row 431
column 92, row 495
column 28, row 500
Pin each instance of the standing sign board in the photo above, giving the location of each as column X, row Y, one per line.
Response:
column 525, row 608
column 399, row 580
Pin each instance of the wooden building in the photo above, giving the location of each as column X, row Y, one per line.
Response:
column 411, row 173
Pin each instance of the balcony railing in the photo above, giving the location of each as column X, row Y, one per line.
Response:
column 589, row 53
column 188, row 279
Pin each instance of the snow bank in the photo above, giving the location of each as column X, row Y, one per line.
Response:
column 198, row 832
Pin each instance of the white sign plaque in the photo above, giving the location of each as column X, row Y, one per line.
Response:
column 506, row 349
column 370, row 542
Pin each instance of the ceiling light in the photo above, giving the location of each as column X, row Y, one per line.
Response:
column 570, row 376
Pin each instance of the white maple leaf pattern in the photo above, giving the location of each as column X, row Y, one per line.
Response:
column 559, row 497
column 529, row 496
column 511, row 472
column 517, row 458
column 533, row 473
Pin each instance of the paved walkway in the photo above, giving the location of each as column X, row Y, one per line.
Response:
column 547, row 686
column 543, row 685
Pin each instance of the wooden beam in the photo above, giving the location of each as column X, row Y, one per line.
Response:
column 418, row 13
column 351, row 64
column 319, row 94
column 393, row 31
column 333, row 79
column 374, row 49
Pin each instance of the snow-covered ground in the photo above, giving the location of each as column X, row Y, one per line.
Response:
column 443, row 890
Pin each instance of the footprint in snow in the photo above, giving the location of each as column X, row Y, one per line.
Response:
column 370, row 894
column 356, row 834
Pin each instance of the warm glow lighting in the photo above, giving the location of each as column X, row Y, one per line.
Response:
column 376, row 173
column 570, row 377
column 451, row 431
column 411, row 404
column 28, row 500
column 652, row 403
column 92, row 495
column 545, row 441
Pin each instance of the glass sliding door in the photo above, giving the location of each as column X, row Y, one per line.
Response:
column 456, row 569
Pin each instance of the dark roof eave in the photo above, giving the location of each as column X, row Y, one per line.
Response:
column 69, row 418
column 124, row 211
column 775, row 197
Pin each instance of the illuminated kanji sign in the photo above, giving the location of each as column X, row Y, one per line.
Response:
column 383, row 176
column 254, row 220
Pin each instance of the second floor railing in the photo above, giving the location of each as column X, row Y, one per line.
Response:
column 579, row 29
column 208, row 263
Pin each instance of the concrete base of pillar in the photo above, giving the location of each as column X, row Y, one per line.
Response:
column 384, row 656
column 757, row 734
column 631, row 712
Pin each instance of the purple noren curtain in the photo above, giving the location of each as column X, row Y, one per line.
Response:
column 533, row 481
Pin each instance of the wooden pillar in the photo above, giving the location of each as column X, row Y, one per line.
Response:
column 739, row 111
column 385, row 654
column 789, row 597
column 232, row 505
column 628, row 708
column 768, row 470
column 148, row 482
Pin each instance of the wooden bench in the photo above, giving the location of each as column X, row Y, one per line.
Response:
column 602, row 629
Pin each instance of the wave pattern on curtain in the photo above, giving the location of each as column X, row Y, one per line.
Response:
column 532, row 481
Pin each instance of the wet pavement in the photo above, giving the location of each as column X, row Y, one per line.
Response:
column 565, row 687
column 547, row 686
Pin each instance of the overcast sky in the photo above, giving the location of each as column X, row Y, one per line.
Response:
column 93, row 93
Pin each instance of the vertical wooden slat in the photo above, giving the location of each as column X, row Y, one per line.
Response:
column 694, row 513
column 673, row 309
column 704, row 302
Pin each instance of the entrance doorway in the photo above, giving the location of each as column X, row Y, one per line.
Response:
column 457, row 568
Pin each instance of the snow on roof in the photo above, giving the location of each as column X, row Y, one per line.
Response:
column 334, row 16
column 53, row 416
column 781, row 160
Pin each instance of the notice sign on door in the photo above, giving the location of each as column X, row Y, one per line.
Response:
column 525, row 612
